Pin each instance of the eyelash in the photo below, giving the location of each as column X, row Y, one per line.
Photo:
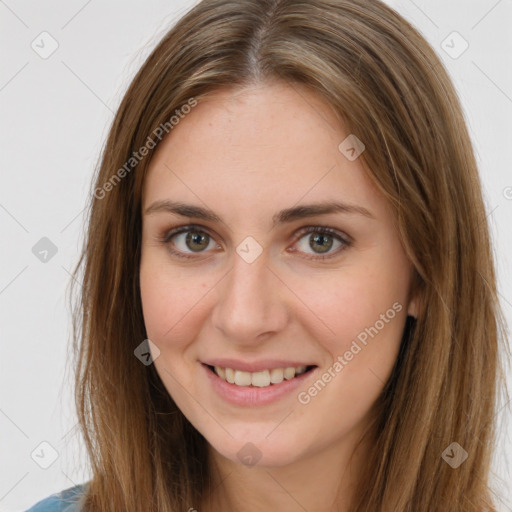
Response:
column 166, row 239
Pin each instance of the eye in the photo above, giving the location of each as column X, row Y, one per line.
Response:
column 321, row 240
column 188, row 240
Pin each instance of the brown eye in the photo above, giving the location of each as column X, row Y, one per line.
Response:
column 185, row 241
column 197, row 241
column 320, row 240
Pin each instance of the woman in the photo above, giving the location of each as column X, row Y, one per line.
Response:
column 289, row 301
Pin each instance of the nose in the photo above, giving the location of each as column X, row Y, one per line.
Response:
column 251, row 302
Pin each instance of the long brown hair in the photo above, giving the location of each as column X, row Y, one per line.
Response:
column 386, row 83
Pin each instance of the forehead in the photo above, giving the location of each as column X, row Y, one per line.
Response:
column 260, row 145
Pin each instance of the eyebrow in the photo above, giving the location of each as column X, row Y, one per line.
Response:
column 284, row 216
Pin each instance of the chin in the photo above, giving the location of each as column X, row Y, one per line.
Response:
column 256, row 451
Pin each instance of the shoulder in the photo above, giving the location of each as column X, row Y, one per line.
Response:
column 64, row 501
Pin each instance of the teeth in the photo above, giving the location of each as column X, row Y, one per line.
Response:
column 242, row 378
column 260, row 379
column 289, row 373
column 276, row 375
column 230, row 375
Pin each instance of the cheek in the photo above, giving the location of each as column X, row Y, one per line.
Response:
column 155, row 305
column 171, row 309
column 365, row 310
column 167, row 303
column 174, row 306
column 362, row 313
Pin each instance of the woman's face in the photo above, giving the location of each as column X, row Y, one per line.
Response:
column 252, row 283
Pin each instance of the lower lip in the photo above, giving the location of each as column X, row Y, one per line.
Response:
column 252, row 395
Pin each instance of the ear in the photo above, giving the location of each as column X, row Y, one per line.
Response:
column 414, row 306
column 415, row 300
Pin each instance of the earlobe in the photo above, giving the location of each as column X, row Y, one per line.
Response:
column 412, row 310
column 416, row 290
column 413, row 307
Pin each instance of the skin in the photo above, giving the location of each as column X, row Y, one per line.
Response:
column 246, row 154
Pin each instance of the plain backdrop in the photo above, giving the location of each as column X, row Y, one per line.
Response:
column 55, row 112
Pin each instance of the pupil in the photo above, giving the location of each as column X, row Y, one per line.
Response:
column 321, row 239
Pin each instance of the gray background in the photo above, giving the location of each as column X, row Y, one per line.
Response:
column 55, row 113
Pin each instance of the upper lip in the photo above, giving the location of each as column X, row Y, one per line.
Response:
column 254, row 366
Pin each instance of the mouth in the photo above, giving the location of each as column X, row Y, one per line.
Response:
column 260, row 379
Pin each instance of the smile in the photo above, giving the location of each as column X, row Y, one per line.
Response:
column 259, row 379
column 256, row 388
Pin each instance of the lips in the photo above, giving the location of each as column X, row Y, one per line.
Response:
column 251, row 395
